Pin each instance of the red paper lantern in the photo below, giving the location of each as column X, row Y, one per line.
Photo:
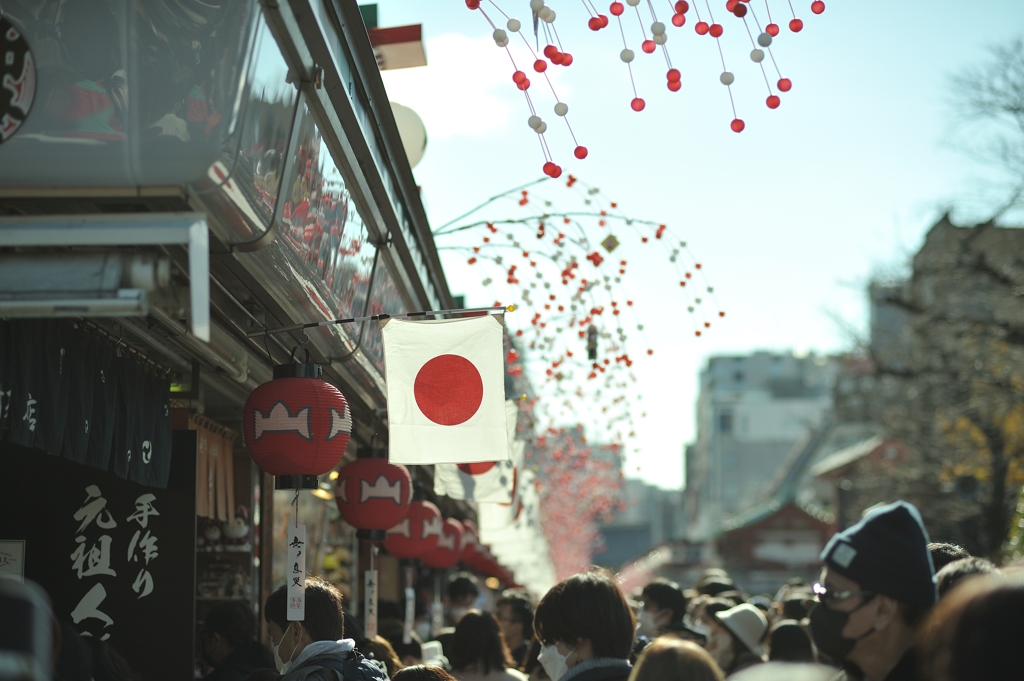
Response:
column 373, row 494
column 296, row 424
column 416, row 535
column 449, row 546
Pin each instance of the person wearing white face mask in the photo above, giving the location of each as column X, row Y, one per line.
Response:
column 314, row 649
column 586, row 630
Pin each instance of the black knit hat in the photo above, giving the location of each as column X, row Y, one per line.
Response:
column 887, row 552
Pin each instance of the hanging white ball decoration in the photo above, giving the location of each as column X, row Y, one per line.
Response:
column 660, row 39
column 561, row 108
column 514, row 25
column 536, row 5
column 500, row 37
column 542, row 128
column 626, row 55
column 757, row 56
column 632, row 3
column 727, row 78
column 534, row 122
column 764, row 40
column 658, row 28
column 547, row 15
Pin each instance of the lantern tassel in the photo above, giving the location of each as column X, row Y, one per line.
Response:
column 376, row 317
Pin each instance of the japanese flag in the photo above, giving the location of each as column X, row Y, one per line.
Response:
column 446, row 390
column 491, row 481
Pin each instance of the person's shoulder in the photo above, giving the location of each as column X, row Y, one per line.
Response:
column 514, row 675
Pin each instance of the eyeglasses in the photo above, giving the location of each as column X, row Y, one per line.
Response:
column 831, row 596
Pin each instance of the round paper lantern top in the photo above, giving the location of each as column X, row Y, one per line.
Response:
column 373, row 494
column 449, row 546
column 297, row 425
column 416, row 535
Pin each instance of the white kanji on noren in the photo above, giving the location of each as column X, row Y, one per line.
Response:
column 446, row 391
column 490, row 481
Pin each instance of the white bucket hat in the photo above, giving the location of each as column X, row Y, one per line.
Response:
column 748, row 623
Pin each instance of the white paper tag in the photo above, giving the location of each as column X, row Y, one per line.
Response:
column 370, row 603
column 410, row 614
column 296, row 573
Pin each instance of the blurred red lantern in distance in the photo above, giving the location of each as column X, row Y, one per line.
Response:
column 373, row 494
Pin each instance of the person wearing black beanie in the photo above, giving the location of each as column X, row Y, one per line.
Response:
column 877, row 585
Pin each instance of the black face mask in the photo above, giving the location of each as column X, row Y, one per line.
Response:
column 827, row 631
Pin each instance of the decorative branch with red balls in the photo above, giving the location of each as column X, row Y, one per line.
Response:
column 760, row 37
column 577, row 328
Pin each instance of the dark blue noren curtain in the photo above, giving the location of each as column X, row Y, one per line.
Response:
column 68, row 392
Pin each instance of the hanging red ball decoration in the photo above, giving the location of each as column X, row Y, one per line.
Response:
column 637, row 104
column 701, row 28
column 449, row 546
column 785, row 84
column 594, row 24
column 737, row 125
column 682, row 7
column 716, row 30
column 796, row 25
column 678, row 19
column 648, row 46
column 580, row 152
column 817, row 6
column 296, row 424
column 566, row 59
column 773, row 101
column 540, row 66
column 417, row 534
column 772, row 29
column 373, row 494
column 674, row 86
column 616, row 9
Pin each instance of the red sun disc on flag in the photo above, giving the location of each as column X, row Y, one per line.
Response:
column 476, row 468
column 448, row 390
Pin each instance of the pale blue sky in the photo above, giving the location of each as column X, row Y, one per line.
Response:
column 789, row 217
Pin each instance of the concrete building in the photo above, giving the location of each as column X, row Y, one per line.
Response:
column 653, row 516
column 751, row 413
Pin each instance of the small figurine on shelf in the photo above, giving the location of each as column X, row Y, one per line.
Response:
column 236, row 532
column 212, row 535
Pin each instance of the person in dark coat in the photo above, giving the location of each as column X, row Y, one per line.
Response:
column 229, row 645
column 586, row 629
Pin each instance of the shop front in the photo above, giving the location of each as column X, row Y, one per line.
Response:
column 176, row 178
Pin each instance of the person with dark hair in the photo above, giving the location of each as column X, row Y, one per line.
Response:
column 462, row 594
column 788, row 641
column 107, row 663
column 312, row 649
column 953, row 573
column 586, row 628
column 378, row 649
column 478, row 650
column 423, row 672
column 672, row 659
column 71, row 658
column 735, row 639
column 664, row 610
column 943, row 554
column 877, row 585
column 515, row 614
column 459, row 598
column 410, row 653
column 975, row 631
column 227, row 640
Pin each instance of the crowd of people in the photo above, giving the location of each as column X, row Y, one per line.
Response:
column 889, row 606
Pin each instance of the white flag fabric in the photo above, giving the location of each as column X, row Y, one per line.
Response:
column 446, row 390
column 491, row 481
